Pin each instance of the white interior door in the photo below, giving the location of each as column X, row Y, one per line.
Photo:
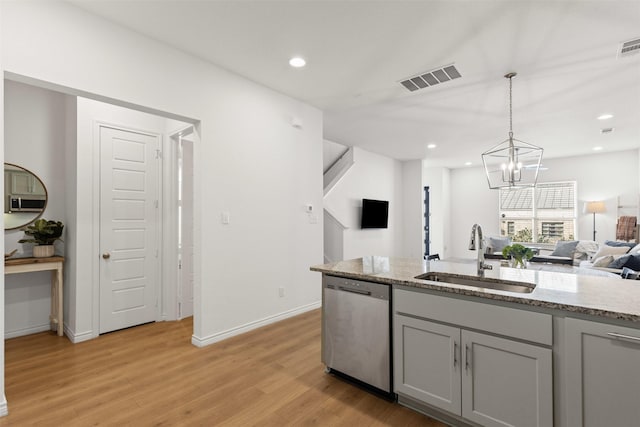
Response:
column 185, row 301
column 128, row 228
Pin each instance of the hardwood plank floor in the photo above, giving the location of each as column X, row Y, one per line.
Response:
column 151, row 375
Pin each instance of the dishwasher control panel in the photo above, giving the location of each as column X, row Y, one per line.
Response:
column 375, row 290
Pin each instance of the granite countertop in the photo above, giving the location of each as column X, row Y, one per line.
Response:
column 595, row 295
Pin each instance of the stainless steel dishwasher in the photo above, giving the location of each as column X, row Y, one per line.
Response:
column 356, row 331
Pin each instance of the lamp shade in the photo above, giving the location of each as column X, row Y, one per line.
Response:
column 594, row 207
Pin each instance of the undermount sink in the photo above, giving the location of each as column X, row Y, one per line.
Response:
column 479, row 282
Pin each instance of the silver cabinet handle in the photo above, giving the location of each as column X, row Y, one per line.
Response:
column 467, row 364
column 455, row 354
column 106, row 255
column 624, row 337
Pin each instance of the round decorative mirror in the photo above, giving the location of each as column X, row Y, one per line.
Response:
column 25, row 197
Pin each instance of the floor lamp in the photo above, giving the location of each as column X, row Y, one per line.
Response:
column 594, row 208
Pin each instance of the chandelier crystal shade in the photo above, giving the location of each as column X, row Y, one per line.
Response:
column 512, row 163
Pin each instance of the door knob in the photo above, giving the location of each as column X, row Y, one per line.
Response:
column 106, row 255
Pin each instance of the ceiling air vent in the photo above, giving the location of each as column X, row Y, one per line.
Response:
column 629, row 48
column 431, row 78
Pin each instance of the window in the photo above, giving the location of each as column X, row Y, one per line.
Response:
column 544, row 214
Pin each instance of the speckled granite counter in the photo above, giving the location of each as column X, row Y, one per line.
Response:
column 592, row 295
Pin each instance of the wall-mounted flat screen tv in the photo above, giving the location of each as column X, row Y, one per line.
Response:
column 375, row 213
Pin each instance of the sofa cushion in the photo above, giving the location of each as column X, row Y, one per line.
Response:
column 611, row 250
column 603, row 261
column 635, row 249
column 616, row 243
column 497, row 244
column 565, row 248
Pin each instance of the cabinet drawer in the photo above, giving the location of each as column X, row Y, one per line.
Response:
column 510, row 322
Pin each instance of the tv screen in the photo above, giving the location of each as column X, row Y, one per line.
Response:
column 375, row 213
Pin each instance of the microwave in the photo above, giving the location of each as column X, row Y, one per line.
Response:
column 26, row 203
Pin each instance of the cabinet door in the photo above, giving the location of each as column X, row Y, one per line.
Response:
column 603, row 375
column 427, row 362
column 506, row 383
column 25, row 183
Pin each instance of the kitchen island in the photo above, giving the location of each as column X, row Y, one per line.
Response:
column 563, row 353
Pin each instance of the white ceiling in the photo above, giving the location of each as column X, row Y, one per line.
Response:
column 565, row 54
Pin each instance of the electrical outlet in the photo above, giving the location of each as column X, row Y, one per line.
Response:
column 281, row 292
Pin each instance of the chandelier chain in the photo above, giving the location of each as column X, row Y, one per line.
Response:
column 510, row 106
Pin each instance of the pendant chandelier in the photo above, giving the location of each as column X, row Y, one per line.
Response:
column 512, row 163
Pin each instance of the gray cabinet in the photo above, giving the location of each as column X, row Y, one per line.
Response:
column 602, row 366
column 505, row 382
column 483, row 378
column 427, row 362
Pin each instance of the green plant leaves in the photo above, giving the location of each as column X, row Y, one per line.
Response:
column 43, row 232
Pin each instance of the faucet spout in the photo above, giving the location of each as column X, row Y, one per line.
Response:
column 477, row 230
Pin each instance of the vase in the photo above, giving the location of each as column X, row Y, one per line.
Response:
column 43, row 251
column 518, row 262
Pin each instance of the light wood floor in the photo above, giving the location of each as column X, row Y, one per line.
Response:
column 152, row 375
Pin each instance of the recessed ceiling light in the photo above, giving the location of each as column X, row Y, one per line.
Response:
column 605, row 116
column 431, row 146
column 468, row 163
column 597, row 148
column 297, row 62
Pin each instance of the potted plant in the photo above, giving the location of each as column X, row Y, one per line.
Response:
column 43, row 234
column 518, row 253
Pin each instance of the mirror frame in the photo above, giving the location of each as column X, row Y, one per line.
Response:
column 46, row 197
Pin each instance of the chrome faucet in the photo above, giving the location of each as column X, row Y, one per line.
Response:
column 480, row 248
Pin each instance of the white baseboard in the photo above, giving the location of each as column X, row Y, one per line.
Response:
column 4, row 409
column 211, row 339
column 76, row 338
column 27, row 331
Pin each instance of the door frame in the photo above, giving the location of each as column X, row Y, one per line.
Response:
column 97, row 124
column 170, row 241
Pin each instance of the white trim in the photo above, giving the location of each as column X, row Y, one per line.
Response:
column 212, row 339
column 76, row 338
column 4, row 409
column 27, row 331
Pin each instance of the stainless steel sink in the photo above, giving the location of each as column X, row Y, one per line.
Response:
column 479, row 282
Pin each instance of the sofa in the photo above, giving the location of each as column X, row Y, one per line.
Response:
column 615, row 256
column 611, row 256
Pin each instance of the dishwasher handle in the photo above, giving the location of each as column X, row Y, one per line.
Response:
column 355, row 291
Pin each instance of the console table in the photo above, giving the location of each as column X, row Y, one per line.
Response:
column 55, row 264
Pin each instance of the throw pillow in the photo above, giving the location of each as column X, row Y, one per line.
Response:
column 616, row 243
column 603, row 261
column 565, row 249
column 497, row 244
column 586, row 249
column 611, row 250
column 634, row 249
column 633, row 262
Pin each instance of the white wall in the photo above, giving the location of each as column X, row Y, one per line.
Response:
column 413, row 209
column 331, row 151
column 602, row 176
column 35, row 138
column 251, row 162
column 438, row 181
column 3, row 399
column 371, row 177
